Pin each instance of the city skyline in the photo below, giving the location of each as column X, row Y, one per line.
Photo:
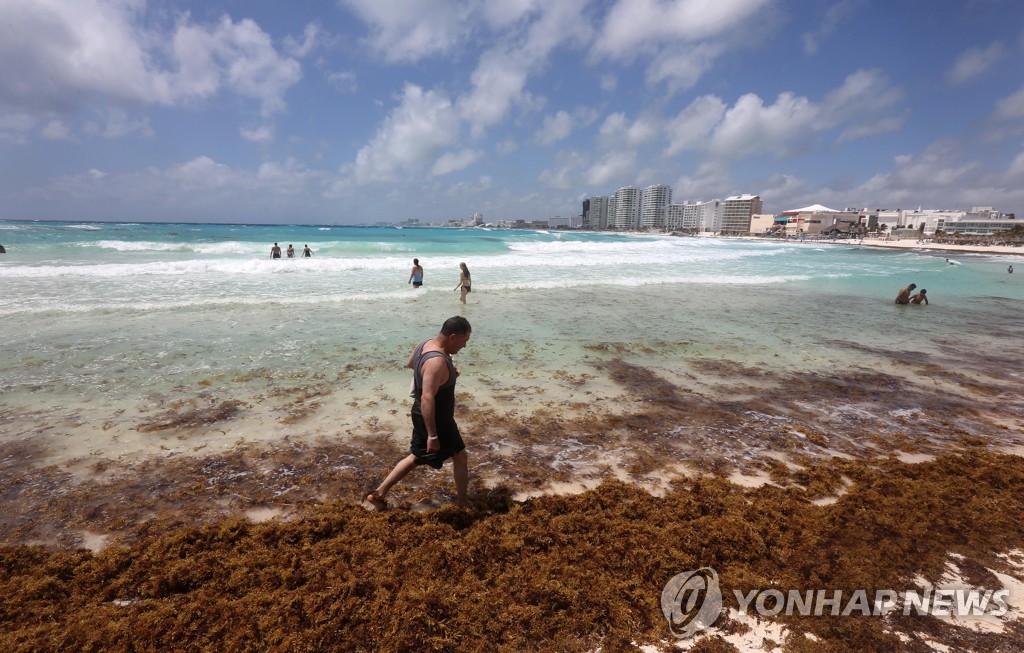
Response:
column 361, row 111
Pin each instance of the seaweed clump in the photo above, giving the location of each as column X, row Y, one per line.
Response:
column 556, row 573
column 194, row 418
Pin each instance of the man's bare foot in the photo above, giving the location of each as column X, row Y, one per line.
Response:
column 376, row 501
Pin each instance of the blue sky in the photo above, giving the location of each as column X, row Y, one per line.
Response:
column 357, row 111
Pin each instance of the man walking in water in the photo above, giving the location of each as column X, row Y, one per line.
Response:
column 275, row 251
column 435, row 435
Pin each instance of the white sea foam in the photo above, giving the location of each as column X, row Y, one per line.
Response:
column 135, row 246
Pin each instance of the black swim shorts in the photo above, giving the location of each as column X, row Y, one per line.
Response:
column 450, row 440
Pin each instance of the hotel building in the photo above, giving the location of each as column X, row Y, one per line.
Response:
column 736, row 212
column 654, row 203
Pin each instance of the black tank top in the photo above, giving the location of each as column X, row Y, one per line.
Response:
column 444, row 400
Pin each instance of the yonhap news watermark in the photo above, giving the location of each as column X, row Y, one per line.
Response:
column 692, row 602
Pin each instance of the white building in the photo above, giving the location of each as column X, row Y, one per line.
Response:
column 708, row 216
column 654, row 202
column 595, row 212
column 932, row 219
column 818, row 219
column 736, row 213
column 624, row 208
column 674, row 216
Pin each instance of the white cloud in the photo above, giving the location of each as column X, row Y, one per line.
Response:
column 96, row 174
column 312, row 36
column 972, row 63
column 202, row 173
column 681, row 67
column 709, row 181
column 343, row 81
column 750, row 127
column 779, row 187
column 880, row 126
column 289, row 178
column 617, row 130
column 454, row 161
column 499, row 80
column 1015, row 173
column 119, row 124
column 834, row 15
column 60, row 55
column 556, row 128
column 861, row 91
column 56, row 130
column 635, row 25
column 470, row 188
column 412, row 135
column 262, row 134
column 859, row 107
column 861, row 103
column 564, row 174
column 692, row 128
column 1011, row 107
column 609, row 83
column 610, row 167
column 408, row 31
column 507, row 146
column 241, row 56
column 504, row 13
column 938, row 176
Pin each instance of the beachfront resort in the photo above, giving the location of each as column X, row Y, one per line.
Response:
column 651, row 209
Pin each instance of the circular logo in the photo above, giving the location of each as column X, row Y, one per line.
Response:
column 691, row 601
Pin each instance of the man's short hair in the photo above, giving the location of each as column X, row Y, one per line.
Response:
column 456, row 324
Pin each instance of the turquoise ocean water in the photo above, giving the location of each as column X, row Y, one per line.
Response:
column 106, row 325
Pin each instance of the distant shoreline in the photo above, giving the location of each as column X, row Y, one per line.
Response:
column 945, row 247
column 898, row 244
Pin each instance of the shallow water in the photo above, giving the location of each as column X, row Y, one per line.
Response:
column 593, row 355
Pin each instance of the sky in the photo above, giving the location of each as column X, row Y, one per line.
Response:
column 360, row 111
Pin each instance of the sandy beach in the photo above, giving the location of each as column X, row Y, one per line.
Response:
column 942, row 247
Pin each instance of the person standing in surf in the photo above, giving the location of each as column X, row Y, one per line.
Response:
column 275, row 251
column 464, row 282
column 416, row 275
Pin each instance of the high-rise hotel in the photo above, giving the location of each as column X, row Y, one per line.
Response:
column 652, row 208
column 624, row 209
column 654, row 203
